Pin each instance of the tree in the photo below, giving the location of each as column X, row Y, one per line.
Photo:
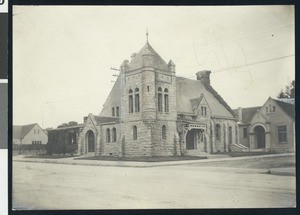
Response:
column 72, row 123
column 289, row 91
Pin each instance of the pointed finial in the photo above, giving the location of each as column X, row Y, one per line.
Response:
column 147, row 34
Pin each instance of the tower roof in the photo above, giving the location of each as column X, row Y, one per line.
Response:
column 137, row 61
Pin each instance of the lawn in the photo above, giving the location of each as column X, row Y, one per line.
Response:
column 45, row 156
column 257, row 163
column 241, row 154
column 142, row 159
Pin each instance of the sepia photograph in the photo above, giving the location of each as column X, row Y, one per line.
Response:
column 153, row 107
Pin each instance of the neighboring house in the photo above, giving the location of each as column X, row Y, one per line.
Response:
column 270, row 127
column 31, row 134
column 151, row 112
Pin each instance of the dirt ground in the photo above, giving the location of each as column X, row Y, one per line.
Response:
column 59, row 186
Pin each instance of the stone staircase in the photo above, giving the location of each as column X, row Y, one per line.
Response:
column 236, row 147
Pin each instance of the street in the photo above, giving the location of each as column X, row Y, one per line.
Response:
column 60, row 186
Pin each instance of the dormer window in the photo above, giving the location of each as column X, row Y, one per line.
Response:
column 203, row 111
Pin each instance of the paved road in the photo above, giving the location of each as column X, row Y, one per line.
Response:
column 60, row 186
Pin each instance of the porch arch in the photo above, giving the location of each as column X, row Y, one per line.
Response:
column 90, row 140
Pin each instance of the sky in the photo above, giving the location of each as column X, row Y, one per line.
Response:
column 63, row 55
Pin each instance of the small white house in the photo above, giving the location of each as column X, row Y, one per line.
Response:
column 31, row 134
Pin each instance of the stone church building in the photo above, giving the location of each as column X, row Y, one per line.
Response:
column 152, row 112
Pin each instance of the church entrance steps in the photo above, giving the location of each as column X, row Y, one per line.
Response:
column 198, row 153
column 238, row 147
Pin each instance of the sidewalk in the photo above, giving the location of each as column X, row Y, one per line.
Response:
column 72, row 161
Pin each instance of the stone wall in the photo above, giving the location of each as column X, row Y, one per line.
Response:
column 110, row 148
column 164, row 147
column 142, row 145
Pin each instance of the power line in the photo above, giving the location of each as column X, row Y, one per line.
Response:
column 258, row 62
column 249, row 64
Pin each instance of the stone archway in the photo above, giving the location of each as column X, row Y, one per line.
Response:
column 90, row 141
column 260, row 138
column 191, row 142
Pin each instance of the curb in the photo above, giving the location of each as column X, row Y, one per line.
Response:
column 142, row 164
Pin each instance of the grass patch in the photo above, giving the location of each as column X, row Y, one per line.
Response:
column 241, row 154
column 256, row 163
column 141, row 159
column 44, row 156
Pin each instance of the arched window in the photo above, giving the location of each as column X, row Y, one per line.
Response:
column 202, row 110
column 166, row 100
column 107, row 135
column 130, row 100
column 113, row 111
column 230, row 135
column 117, row 112
column 218, row 132
column 163, row 132
column 137, row 100
column 159, row 99
column 114, row 135
column 134, row 132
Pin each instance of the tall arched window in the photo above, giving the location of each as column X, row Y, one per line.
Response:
column 159, row 99
column 130, row 100
column 166, row 100
column 113, row 111
column 134, row 132
column 218, row 132
column 230, row 135
column 117, row 112
column 137, row 100
column 163, row 132
column 114, row 135
column 108, row 135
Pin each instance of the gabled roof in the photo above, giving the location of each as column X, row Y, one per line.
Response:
column 137, row 61
column 113, row 99
column 20, row 131
column 188, row 89
column 105, row 119
column 288, row 108
column 247, row 113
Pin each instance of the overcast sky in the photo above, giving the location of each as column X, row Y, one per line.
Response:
column 62, row 55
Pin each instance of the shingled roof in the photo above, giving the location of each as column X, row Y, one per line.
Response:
column 137, row 61
column 20, row 131
column 188, row 90
column 288, row 108
column 105, row 119
column 247, row 113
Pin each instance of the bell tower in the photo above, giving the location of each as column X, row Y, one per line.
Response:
column 148, row 85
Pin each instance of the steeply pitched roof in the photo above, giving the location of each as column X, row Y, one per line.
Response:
column 187, row 90
column 137, row 61
column 20, row 131
column 105, row 119
column 247, row 113
column 288, row 108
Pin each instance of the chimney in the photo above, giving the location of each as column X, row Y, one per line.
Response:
column 204, row 76
column 124, row 66
column 85, row 119
column 133, row 55
column 240, row 114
